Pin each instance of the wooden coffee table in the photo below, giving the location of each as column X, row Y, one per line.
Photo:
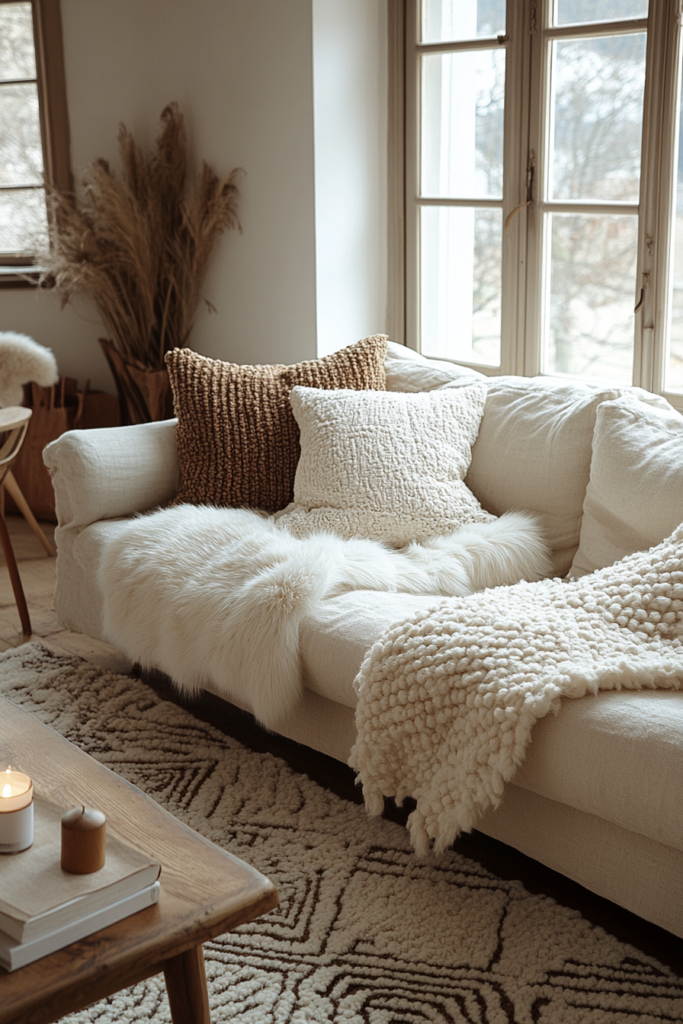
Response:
column 204, row 891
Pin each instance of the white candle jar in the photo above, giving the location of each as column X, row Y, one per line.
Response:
column 16, row 812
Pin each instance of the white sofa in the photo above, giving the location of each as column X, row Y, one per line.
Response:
column 599, row 797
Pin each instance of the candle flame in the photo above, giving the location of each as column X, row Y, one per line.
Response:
column 7, row 790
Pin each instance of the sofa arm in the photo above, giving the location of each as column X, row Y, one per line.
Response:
column 112, row 471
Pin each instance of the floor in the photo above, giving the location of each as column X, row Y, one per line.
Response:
column 37, row 572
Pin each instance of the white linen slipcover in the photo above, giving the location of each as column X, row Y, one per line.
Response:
column 597, row 796
column 112, row 471
column 635, row 492
column 606, row 754
column 407, row 370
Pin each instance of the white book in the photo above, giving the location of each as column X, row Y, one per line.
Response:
column 15, row 954
column 37, row 897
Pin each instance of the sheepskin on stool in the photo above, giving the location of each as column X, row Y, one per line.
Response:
column 23, row 360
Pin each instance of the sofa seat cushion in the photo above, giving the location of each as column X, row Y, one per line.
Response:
column 618, row 755
column 334, row 640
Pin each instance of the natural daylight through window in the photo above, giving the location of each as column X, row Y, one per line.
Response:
column 33, row 126
column 544, row 187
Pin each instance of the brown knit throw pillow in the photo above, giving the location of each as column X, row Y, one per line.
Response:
column 237, row 439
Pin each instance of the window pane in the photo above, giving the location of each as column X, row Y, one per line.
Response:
column 23, row 220
column 17, row 55
column 592, row 286
column 460, row 273
column 449, row 20
column 462, row 124
column 597, row 111
column 21, row 154
column 674, row 367
column 571, row 12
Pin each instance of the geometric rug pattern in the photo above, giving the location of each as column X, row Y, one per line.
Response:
column 365, row 933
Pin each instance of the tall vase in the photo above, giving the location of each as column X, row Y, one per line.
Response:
column 144, row 395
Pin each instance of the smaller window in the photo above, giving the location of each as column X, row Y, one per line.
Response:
column 33, row 124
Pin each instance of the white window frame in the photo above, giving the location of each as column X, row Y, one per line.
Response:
column 527, row 41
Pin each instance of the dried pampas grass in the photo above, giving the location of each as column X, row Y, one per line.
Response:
column 138, row 244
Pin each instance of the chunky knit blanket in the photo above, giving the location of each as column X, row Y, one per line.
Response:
column 447, row 699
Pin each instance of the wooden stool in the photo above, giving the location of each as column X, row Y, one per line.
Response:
column 13, row 426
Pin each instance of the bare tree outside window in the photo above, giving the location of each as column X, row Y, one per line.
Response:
column 596, row 105
column 33, row 128
column 461, row 163
column 23, row 220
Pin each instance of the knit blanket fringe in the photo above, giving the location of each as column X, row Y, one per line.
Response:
column 447, row 699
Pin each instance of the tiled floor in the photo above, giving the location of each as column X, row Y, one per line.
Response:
column 37, row 571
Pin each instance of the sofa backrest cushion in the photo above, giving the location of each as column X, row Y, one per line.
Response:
column 634, row 497
column 238, row 443
column 534, row 451
column 407, row 370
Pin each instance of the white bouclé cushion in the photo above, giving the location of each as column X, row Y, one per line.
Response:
column 634, row 497
column 388, row 466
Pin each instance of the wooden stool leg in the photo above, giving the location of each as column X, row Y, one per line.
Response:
column 15, row 578
column 15, row 492
column 186, row 986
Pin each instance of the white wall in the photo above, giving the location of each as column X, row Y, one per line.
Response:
column 242, row 72
column 350, row 117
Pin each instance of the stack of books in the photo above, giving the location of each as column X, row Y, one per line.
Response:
column 43, row 909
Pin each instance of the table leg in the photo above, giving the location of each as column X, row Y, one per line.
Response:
column 186, row 986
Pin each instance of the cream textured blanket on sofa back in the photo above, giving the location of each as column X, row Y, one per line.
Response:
column 447, row 700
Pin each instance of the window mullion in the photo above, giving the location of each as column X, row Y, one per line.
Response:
column 656, row 197
column 539, row 113
column 47, row 29
column 412, row 70
column 515, row 160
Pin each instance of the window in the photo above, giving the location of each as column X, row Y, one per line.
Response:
column 544, row 187
column 33, row 124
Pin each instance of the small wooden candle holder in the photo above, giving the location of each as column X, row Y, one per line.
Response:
column 83, row 841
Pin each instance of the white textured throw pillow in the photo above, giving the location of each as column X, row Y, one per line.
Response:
column 388, row 466
column 634, row 497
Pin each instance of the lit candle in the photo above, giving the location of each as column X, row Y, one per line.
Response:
column 83, row 840
column 16, row 812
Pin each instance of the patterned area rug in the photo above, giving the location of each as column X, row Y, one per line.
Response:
column 365, row 933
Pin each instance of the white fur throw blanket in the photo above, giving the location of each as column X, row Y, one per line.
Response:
column 447, row 700
column 215, row 596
